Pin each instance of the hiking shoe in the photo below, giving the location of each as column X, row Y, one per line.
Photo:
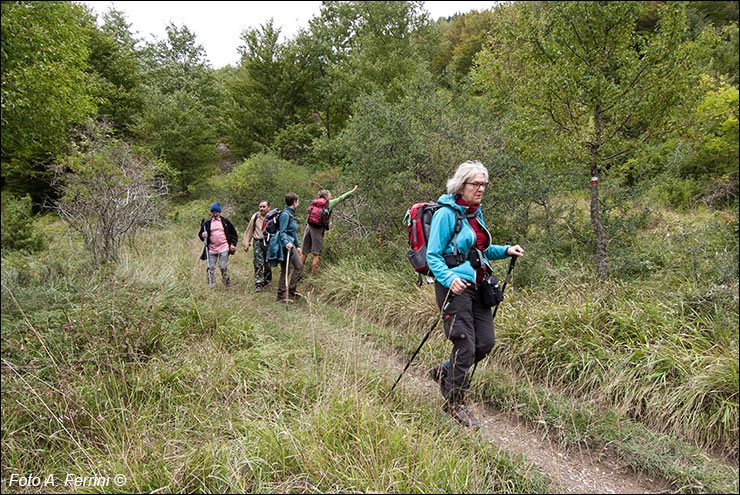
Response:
column 438, row 373
column 258, row 288
column 281, row 298
column 462, row 415
column 296, row 295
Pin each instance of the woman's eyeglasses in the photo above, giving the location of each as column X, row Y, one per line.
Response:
column 481, row 186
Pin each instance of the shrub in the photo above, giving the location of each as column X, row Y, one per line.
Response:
column 108, row 191
column 18, row 232
column 680, row 194
column 294, row 142
column 265, row 176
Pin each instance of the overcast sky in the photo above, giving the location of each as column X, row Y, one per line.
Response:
column 219, row 25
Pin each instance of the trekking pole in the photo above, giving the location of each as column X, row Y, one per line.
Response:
column 448, row 300
column 287, row 267
column 208, row 260
column 503, row 288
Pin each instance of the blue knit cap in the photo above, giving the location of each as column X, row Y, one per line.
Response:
column 216, row 207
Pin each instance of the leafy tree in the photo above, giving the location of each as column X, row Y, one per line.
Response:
column 179, row 117
column 714, row 135
column 464, row 36
column 403, row 152
column 366, row 47
column 44, row 85
column 268, row 91
column 588, row 87
column 114, row 59
column 178, row 63
column 175, row 126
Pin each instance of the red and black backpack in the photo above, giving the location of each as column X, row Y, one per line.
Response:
column 418, row 220
column 318, row 213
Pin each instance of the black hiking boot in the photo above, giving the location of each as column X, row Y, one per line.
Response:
column 295, row 295
column 462, row 415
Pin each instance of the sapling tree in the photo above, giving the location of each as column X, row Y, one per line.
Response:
column 586, row 85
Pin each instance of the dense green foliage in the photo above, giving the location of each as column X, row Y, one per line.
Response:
column 44, row 84
column 18, row 231
column 265, row 177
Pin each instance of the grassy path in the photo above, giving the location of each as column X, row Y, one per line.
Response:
column 139, row 369
column 569, row 472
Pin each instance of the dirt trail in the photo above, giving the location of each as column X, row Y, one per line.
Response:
column 573, row 472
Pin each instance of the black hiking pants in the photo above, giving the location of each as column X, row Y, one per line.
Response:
column 469, row 326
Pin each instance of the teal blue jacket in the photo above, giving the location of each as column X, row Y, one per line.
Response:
column 287, row 233
column 441, row 241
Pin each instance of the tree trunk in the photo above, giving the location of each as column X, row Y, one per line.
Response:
column 595, row 217
column 596, row 224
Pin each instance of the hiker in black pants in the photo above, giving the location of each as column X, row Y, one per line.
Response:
column 468, row 322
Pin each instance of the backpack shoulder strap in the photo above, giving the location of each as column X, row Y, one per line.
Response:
column 458, row 228
column 458, row 219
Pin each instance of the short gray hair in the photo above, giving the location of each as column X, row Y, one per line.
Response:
column 323, row 193
column 463, row 173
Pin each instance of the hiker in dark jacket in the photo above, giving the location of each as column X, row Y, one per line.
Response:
column 221, row 242
column 284, row 249
column 313, row 240
column 468, row 323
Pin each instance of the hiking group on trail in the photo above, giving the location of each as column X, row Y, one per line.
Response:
column 449, row 242
column 273, row 236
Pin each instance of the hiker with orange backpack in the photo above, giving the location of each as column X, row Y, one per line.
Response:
column 458, row 254
column 318, row 220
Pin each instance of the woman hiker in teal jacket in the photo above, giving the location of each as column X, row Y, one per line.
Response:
column 468, row 322
column 281, row 246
